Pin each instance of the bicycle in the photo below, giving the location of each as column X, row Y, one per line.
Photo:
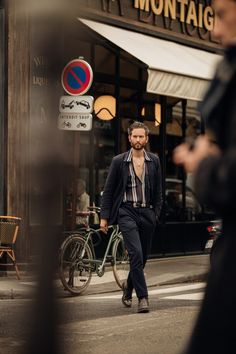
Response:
column 78, row 258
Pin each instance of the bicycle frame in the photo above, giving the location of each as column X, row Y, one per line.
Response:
column 77, row 258
column 99, row 263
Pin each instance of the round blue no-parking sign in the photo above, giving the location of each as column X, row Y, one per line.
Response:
column 77, row 77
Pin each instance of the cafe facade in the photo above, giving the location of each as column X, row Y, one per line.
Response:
column 151, row 61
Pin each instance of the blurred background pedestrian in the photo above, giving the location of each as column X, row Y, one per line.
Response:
column 82, row 203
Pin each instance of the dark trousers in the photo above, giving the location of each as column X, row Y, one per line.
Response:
column 137, row 226
column 214, row 331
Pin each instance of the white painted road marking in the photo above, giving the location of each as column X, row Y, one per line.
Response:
column 191, row 296
column 173, row 289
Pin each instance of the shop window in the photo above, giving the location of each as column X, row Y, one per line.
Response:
column 181, row 201
column 104, row 147
column 75, row 48
column 129, row 104
column 177, row 130
column 104, row 60
column 175, row 209
column 127, row 67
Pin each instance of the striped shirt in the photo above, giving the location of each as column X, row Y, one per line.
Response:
column 137, row 189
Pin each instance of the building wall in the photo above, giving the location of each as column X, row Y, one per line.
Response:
column 17, row 118
column 188, row 22
column 2, row 106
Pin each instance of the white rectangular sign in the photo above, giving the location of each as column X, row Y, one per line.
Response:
column 76, row 104
column 75, row 121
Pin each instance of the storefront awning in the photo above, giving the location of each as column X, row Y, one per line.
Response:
column 173, row 69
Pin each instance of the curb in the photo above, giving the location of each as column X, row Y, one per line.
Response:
column 186, row 279
column 12, row 294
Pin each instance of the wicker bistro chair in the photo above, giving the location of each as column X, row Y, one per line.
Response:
column 9, row 227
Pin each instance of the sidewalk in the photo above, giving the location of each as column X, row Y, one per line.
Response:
column 161, row 271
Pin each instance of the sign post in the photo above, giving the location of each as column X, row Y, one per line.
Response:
column 75, row 109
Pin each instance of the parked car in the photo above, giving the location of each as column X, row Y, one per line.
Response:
column 175, row 209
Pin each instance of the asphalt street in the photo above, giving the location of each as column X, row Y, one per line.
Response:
column 100, row 324
column 96, row 322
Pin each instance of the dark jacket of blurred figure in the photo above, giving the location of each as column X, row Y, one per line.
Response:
column 215, row 330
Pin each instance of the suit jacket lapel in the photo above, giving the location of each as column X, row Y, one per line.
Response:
column 125, row 173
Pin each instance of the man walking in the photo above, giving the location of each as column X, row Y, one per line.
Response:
column 132, row 198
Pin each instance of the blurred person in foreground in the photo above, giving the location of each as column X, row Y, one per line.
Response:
column 132, row 197
column 213, row 161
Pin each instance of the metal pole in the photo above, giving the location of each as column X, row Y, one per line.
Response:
column 117, row 122
column 163, row 151
column 184, row 126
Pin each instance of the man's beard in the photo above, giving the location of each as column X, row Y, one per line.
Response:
column 138, row 146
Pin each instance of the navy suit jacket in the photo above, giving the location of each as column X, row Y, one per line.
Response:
column 116, row 181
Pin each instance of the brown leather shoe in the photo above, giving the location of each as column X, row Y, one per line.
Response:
column 143, row 305
column 126, row 299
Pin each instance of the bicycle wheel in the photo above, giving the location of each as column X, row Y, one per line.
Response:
column 121, row 261
column 75, row 270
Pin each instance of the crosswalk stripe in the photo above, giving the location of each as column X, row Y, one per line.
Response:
column 191, row 296
column 173, row 289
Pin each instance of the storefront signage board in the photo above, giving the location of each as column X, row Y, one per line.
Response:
column 76, row 104
column 77, row 77
column 75, row 121
column 184, row 21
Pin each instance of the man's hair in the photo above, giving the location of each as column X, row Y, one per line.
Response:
column 137, row 125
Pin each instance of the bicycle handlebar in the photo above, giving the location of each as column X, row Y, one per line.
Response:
column 91, row 210
column 94, row 209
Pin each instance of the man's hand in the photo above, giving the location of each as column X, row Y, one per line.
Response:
column 191, row 158
column 104, row 225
